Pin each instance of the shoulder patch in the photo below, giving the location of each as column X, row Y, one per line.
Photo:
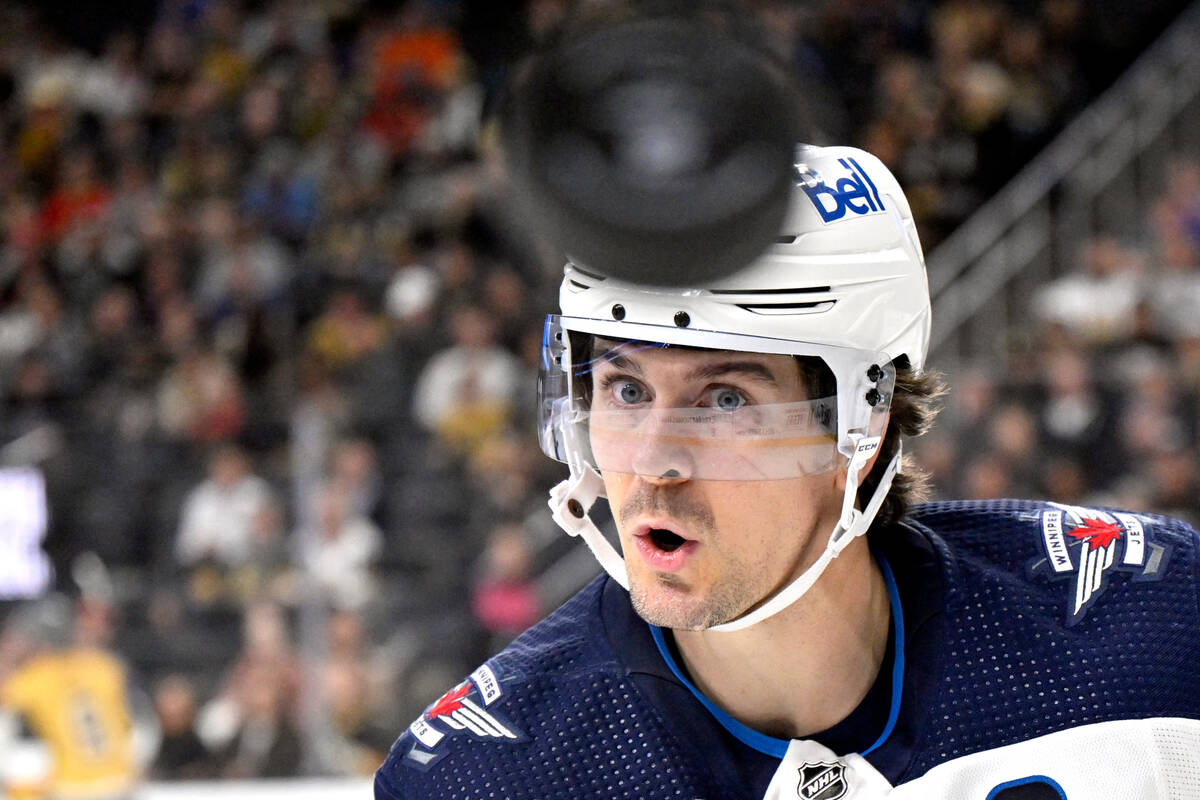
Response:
column 1088, row 547
column 468, row 710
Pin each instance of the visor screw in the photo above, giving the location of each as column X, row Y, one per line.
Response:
column 575, row 507
column 618, row 311
column 874, row 373
column 873, row 397
column 682, row 320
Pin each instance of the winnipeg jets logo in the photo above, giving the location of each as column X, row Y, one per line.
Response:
column 462, row 710
column 822, row 781
column 1089, row 545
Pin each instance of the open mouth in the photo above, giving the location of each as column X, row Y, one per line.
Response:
column 665, row 540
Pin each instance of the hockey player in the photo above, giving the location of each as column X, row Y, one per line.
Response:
column 781, row 619
column 73, row 704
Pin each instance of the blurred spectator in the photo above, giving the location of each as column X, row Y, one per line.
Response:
column 1097, row 303
column 79, row 199
column 217, row 523
column 249, row 724
column 47, row 329
column 181, row 754
column 113, row 85
column 239, row 267
column 1174, row 484
column 1177, row 213
column 413, row 67
column 1012, row 436
column 354, row 473
column 359, row 745
column 502, row 473
column 1076, row 418
column 1065, row 480
column 347, row 332
column 341, row 549
column 268, row 572
column 411, row 295
column 266, row 743
column 504, row 597
column 112, row 333
column 505, row 299
column 988, row 477
column 1174, row 292
column 1156, row 417
column 466, row 391
column 200, row 398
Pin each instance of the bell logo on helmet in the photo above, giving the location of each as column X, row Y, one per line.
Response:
column 854, row 193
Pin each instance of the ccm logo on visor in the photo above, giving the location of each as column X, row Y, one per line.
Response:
column 854, row 193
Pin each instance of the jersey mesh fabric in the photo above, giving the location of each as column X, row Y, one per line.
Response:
column 589, row 734
column 1010, row 664
column 1178, row 747
column 1004, row 666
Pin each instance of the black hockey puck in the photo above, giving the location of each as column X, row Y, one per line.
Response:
column 655, row 150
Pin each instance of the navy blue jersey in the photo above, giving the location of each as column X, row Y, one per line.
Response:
column 1036, row 650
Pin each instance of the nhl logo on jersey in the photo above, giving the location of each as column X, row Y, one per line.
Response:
column 822, row 781
column 1088, row 546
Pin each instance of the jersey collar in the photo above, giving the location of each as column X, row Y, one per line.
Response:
column 776, row 747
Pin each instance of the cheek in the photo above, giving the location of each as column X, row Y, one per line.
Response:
column 776, row 513
column 616, row 489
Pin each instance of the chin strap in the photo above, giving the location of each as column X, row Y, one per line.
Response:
column 853, row 523
column 569, row 504
column 571, row 500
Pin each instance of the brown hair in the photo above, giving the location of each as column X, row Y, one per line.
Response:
column 914, row 407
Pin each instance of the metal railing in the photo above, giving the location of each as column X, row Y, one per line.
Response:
column 1098, row 175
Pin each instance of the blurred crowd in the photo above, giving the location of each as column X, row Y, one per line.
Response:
column 270, row 333
column 1100, row 404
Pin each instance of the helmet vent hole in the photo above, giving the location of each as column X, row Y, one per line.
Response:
column 682, row 320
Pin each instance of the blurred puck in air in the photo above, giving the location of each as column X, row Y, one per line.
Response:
column 655, row 149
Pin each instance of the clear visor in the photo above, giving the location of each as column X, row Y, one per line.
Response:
column 763, row 442
column 602, row 408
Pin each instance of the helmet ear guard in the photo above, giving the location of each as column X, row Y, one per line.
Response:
column 845, row 283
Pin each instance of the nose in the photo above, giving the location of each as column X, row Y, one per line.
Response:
column 661, row 457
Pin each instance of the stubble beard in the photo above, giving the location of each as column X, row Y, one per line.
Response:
column 666, row 601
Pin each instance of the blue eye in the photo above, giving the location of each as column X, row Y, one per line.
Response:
column 629, row 392
column 727, row 399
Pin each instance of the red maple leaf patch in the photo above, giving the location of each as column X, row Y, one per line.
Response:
column 449, row 702
column 1097, row 533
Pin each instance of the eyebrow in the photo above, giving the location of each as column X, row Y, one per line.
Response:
column 748, row 369
column 753, row 370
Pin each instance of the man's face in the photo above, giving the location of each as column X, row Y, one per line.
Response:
column 701, row 551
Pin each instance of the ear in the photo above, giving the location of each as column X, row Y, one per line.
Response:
column 840, row 475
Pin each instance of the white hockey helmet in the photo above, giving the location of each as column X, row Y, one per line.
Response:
column 845, row 282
